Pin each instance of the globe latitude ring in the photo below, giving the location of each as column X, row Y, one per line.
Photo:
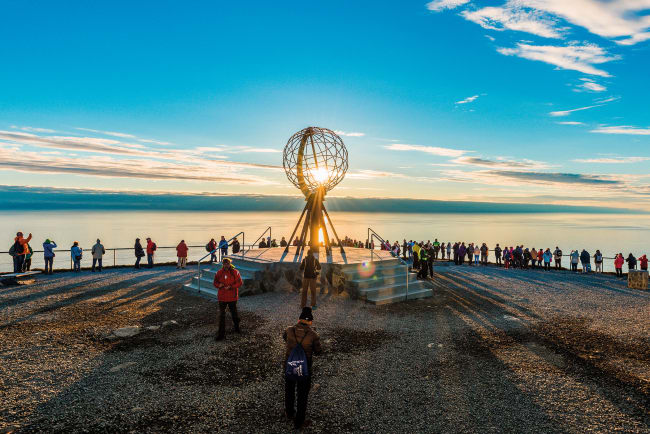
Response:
column 315, row 158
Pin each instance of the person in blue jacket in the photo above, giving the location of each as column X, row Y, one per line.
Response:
column 223, row 246
column 76, row 252
column 48, row 254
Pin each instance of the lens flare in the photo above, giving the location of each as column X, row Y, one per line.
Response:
column 320, row 175
column 366, row 269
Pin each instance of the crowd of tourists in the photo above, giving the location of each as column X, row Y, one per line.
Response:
column 422, row 256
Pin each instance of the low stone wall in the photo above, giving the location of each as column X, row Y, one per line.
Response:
column 637, row 279
column 286, row 277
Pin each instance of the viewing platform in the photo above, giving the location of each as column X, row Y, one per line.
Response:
column 382, row 280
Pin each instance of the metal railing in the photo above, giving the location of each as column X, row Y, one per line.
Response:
column 261, row 236
column 372, row 234
column 218, row 249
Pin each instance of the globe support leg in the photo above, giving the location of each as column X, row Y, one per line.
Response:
column 338, row 240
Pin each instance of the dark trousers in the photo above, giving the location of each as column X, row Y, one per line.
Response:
column 574, row 266
column 416, row 261
column 547, row 266
column 619, row 272
column 97, row 261
column 137, row 261
column 213, row 257
column 455, row 258
column 430, row 265
column 424, row 270
column 498, row 259
column 19, row 261
column 232, row 306
column 150, row 260
column 49, row 262
column 290, row 397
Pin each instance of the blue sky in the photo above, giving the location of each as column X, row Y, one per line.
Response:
column 532, row 101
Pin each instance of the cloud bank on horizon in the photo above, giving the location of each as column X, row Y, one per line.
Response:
column 510, row 101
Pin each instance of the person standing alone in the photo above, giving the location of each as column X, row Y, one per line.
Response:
column 300, row 334
column 181, row 253
column 227, row 281
column 48, row 254
column 98, row 253
column 310, row 268
column 76, row 254
column 151, row 249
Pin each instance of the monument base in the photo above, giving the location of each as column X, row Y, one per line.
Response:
column 637, row 279
column 383, row 280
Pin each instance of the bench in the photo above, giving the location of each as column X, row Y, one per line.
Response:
column 16, row 278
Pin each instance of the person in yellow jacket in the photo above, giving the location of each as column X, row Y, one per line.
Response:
column 416, row 256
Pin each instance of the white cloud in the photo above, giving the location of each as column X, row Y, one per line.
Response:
column 591, row 85
column 622, row 129
column 468, row 99
column 580, row 58
column 568, row 112
column 434, row 150
column 491, row 38
column 570, row 123
column 155, row 142
column 438, row 5
column 349, row 134
column 625, row 21
column 108, row 133
column 34, row 130
column 500, row 163
column 613, row 160
column 511, row 17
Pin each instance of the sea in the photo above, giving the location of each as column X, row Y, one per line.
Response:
column 611, row 233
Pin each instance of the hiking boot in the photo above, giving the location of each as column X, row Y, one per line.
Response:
column 305, row 424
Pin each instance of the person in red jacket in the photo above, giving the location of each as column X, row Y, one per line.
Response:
column 643, row 262
column 618, row 264
column 21, row 250
column 181, row 253
column 227, row 281
column 151, row 248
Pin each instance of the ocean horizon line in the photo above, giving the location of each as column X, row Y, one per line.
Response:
column 60, row 199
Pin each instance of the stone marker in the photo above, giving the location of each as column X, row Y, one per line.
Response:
column 637, row 279
column 126, row 332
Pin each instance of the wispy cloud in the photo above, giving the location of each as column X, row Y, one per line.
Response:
column 349, row 134
column 33, row 129
column 434, row 150
column 108, row 133
column 467, row 100
column 613, row 160
column 622, row 129
column 580, row 58
column 155, row 142
column 503, row 163
column 590, row 85
column 512, row 17
column 599, row 103
column 570, row 123
column 438, row 5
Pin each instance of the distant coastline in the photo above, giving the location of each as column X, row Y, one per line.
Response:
column 38, row 198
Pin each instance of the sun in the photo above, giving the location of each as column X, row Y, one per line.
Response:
column 320, row 174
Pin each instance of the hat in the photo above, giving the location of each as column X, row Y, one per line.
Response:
column 47, row 241
column 306, row 314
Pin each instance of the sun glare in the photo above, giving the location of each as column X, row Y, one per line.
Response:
column 320, row 174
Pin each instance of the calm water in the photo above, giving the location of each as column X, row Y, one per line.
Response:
column 609, row 233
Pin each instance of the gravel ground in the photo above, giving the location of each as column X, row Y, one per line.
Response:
column 493, row 351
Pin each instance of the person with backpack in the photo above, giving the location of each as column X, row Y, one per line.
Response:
column 618, row 265
column 98, row 252
column 558, row 257
column 311, row 269
column 48, row 254
column 585, row 260
column 575, row 256
column 139, row 252
column 227, row 281
column 223, row 246
column 302, row 344
column 210, row 248
column 181, row 254
column 236, row 247
column 548, row 257
column 76, row 253
column 424, row 268
column 598, row 260
column 19, row 250
column 151, row 249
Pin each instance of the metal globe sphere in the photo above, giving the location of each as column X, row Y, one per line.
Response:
column 315, row 158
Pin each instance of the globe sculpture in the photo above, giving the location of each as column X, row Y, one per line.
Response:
column 315, row 161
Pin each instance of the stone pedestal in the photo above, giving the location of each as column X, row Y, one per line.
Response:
column 637, row 279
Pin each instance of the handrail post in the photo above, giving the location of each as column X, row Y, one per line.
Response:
column 113, row 258
column 199, row 267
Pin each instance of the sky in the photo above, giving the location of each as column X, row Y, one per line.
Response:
column 517, row 101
